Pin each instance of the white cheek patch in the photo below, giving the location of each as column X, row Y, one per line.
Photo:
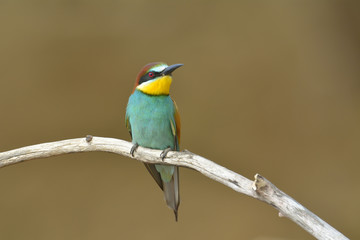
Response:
column 145, row 83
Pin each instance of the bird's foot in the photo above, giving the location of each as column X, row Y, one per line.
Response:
column 133, row 149
column 164, row 153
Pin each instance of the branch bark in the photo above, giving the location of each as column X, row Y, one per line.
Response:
column 260, row 188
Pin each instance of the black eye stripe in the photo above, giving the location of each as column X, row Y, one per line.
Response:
column 147, row 77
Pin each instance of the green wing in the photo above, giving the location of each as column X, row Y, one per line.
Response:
column 150, row 167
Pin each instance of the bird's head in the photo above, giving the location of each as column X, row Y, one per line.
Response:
column 155, row 78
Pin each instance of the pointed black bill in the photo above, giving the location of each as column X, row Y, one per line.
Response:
column 170, row 69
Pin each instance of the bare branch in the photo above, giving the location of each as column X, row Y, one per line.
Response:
column 260, row 189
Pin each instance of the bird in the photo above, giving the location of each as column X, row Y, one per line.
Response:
column 153, row 121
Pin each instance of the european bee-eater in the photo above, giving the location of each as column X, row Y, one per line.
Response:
column 153, row 121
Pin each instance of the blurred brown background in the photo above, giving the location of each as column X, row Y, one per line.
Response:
column 267, row 87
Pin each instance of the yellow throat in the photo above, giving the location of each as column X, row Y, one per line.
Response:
column 158, row 86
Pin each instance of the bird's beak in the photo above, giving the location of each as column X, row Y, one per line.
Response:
column 170, row 69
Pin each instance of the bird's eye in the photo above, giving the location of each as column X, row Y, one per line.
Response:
column 151, row 74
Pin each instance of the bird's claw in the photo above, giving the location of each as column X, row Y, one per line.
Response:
column 133, row 149
column 164, row 153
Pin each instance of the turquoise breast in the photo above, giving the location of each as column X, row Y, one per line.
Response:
column 150, row 118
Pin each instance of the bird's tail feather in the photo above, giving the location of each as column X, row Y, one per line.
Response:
column 171, row 192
